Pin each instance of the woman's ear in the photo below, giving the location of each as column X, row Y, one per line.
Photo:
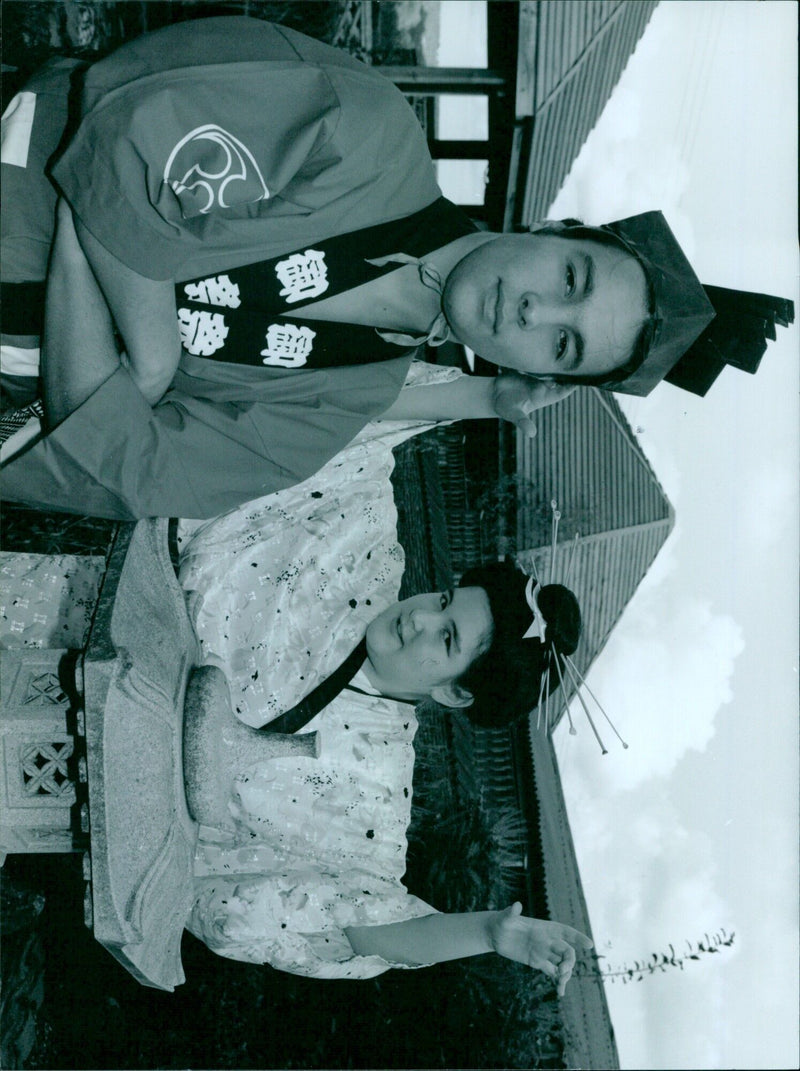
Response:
column 452, row 694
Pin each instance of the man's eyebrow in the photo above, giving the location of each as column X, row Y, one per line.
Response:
column 588, row 273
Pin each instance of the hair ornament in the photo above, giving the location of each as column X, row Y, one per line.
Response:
column 547, row 701
column 554, row 656
column 572, row 730
column 573, row 669
column 589, row 718
column 538, row 627
column 571, row 558
column 533, row 569
column 544, row 683
column 554, row 551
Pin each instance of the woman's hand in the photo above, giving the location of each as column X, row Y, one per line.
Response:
column 516, row 398
column 547, row 946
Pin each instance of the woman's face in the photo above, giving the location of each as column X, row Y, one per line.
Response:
column 419, row 646
column 547, row 305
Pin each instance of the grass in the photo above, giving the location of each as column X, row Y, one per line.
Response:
column 30, row 531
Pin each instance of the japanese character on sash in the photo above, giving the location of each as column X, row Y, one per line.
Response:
column 218, row 290
column 202, row 333
column 288, row 346
column 304, row 275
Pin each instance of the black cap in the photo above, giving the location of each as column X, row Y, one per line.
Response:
column 697, row 329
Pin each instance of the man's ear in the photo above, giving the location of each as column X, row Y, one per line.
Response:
column 452, row 695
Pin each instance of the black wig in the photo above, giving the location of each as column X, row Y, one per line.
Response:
column 506, row 680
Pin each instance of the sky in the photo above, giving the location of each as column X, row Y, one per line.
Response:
column 695, row 827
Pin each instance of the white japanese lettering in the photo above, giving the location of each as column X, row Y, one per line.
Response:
column 288, row 345
column 218, row 290
column 202, row 333
column 304, row 275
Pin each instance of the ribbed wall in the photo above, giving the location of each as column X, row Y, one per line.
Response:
column 584, row 1010
column 581, row 51
column 586, row 457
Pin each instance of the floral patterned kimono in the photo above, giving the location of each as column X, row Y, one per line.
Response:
column 280, row 591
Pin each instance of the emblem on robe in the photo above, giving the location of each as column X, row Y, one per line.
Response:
column 202, row 333
column 288, row 345
column 303, row 275
column 210, row 168
column 218, row 290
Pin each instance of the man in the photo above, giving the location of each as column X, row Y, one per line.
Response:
column 279, row 198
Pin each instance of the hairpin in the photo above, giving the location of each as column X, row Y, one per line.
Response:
column 538, row 629
column 539, row 625
column 554, row 539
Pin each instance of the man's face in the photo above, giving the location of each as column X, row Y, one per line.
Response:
column 424, row 643
column 547, row 305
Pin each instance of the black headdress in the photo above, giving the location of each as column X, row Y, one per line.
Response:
column 536, row 630
column 507, row 679
column 697, row 329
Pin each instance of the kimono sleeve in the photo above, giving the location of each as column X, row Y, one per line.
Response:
column 172, row 154
column 295, row 922
column 204, row 164
column 206, row 448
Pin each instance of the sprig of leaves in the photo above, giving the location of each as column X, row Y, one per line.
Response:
column 659, row 962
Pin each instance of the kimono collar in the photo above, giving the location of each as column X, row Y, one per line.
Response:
column 439, row 331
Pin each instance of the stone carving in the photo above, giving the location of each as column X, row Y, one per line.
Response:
column 141, row 650
column 44, row 769
column 46, row 688
column 217, row 746
column 37, row 753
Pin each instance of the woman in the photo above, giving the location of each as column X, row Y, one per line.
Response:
column 300, row 858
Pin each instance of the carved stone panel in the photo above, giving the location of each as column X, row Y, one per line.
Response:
column 37, row 792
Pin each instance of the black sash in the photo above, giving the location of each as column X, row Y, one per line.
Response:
column 294, row 720
column 247, row 302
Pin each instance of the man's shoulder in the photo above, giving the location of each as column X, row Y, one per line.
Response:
column 210, row 42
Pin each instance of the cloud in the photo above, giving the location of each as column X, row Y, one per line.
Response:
column 652, row 881
column 622, row 170
column 645, row 872
column 771, row 509
column 662, row 678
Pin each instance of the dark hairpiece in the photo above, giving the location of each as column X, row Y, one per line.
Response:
column 506, row 680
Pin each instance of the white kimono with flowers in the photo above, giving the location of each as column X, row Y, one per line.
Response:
column 280, row 592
